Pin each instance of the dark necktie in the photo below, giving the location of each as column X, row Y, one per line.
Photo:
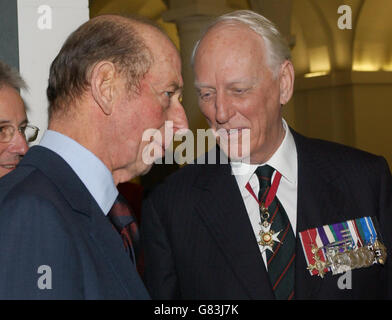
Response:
column 280, row 262
column 123, row 219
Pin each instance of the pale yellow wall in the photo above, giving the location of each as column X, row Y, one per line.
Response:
column 325, row 113
column 373, row 118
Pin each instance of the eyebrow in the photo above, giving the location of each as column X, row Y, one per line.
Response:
column 25, row 121
column 175, row 86
column 7, row 122
column 200, row 85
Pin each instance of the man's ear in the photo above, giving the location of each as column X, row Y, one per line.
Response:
column 286, row 81
column 102, row 85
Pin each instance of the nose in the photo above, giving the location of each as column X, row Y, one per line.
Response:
column 178, row 116
column 223, row 109
column 18, row 144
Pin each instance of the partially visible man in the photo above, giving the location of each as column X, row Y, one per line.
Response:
column 15, row 132
column 287, row 224
column 113, row 79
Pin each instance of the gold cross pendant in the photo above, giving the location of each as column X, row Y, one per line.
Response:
column 318, row 264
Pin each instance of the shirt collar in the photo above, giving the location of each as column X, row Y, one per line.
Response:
column 91, row 170
column 283, row 160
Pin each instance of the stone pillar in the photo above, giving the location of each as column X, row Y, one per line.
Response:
column 279, row 12
column 191, row 17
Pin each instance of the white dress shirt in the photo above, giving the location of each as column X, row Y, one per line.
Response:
column 283, row 160
column 91, row 171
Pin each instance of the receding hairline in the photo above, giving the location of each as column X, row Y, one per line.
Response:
column 211, row 32
column 229, row 23
column 277, row 50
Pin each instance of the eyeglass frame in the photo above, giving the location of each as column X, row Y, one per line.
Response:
column 34, row 137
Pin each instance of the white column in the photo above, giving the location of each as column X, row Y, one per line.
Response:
column 191, row 17
column 279, row 12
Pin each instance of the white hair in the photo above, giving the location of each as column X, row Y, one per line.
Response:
column 277, row 48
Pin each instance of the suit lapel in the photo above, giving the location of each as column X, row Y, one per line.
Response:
column 104, row 237
column 319, row 202
column 221, row 208
column 109, row 243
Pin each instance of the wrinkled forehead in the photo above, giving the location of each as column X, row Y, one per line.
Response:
column 158, row 42
column 231, row 37
column 166, row 54
column 161, row 47
column 230, row 49
column 166, row 61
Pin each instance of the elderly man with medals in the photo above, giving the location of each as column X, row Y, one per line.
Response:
column 286, row 215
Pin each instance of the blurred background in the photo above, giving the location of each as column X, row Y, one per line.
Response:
column 343, row 86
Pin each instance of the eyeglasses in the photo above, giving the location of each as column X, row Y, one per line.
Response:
column 28, row 131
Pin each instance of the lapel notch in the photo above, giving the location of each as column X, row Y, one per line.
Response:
column 222, row 209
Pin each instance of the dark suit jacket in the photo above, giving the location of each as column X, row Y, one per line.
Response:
column 48, row 218
column 199, row 243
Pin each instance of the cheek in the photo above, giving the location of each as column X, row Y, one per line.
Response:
column 150, row 121
column 152, row 114
column 208, row 111
column 3, row 150
column 257, row 110
column 3, row 159
column 147, row 115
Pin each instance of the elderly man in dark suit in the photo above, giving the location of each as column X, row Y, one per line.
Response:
column 287, row 217
column 113, row 79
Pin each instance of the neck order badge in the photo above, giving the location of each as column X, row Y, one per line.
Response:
column 279, row 252
column 268, row 237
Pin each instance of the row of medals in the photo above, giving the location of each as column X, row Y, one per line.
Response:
column 341, row 255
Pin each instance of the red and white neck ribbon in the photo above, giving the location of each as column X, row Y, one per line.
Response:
column 271, row 193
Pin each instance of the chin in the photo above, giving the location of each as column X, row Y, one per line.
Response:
column 236, row 152
column 145, row 170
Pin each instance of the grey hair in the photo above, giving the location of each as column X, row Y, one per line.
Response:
column 278, row 50
column 10, row 77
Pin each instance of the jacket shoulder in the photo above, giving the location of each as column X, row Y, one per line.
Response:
column 333, row 152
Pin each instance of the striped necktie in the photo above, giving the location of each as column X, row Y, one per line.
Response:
column 280, row 262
